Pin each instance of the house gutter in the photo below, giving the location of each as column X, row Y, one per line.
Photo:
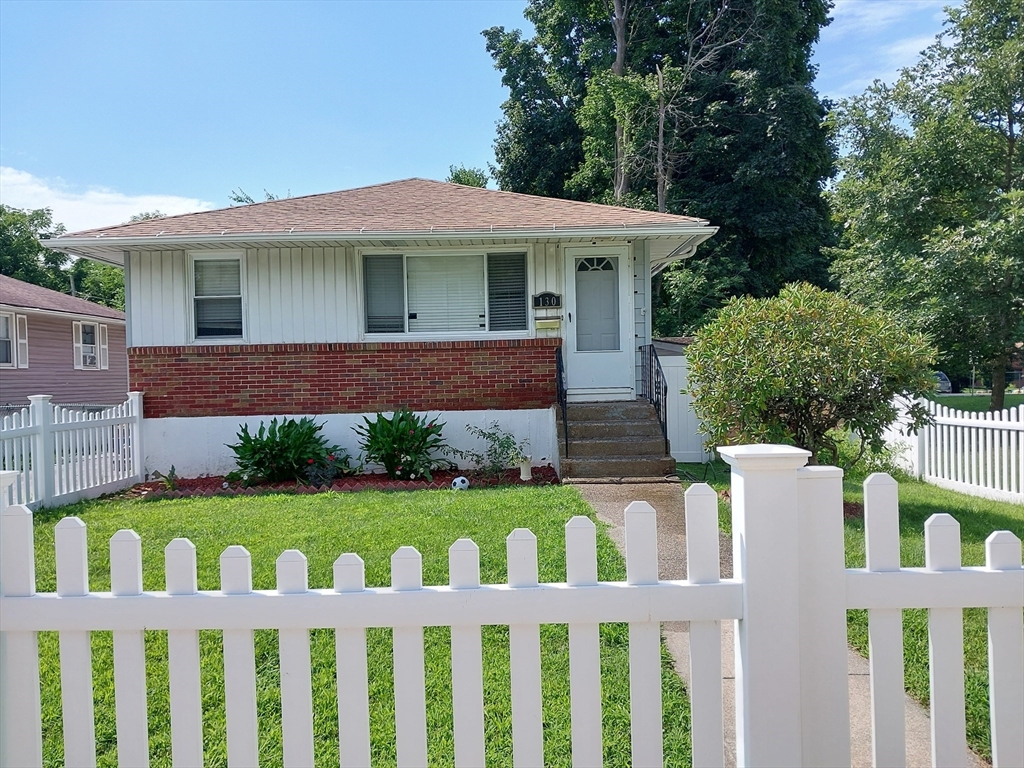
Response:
column 83, row 246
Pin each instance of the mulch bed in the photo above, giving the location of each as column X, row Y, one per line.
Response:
column 219, row 486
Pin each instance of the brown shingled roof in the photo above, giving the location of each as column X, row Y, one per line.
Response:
column 16, row 293
column 413, row 205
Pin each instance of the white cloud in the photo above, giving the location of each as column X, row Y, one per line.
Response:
column 853, row 17
column 95, row 207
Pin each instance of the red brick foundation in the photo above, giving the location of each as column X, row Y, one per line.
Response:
column 264, row 379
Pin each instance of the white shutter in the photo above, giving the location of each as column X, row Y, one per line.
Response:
column 77, row 343
column 104, row 355
column 506, row 291
column 446, row 294
column 22, row 322
column 384, row 291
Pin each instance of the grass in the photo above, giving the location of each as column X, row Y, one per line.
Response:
column 976, row 403
column 373, row 524
column 919, row 501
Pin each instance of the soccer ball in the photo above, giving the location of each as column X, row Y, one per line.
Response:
column 460, row 483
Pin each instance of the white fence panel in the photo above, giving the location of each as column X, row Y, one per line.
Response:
column 788, row 599
column 981, row 454
column 684, row 433
column 92, row 453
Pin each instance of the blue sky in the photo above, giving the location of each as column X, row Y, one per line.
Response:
column 110, row 108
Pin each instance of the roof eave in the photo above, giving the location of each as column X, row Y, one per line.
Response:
column 97, row 246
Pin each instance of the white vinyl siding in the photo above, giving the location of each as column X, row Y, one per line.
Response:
column 90, row 346
column 450, row 294
column 217, row 298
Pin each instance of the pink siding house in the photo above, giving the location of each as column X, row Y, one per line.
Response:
column 64, row 346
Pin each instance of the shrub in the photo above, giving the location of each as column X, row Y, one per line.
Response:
column 502, row 451
column 282, row 452
column 405, row 445
column 321, row 473
column 791, row 368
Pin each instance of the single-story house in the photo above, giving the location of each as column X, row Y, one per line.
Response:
column 59, row 345
column 444, row 298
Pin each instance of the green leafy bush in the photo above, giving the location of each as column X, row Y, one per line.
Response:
column 791, row 369
column 502, row 451
column 406, row 445
column 282, row 452
column 322, row 473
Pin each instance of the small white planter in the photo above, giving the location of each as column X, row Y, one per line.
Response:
column 524, row 468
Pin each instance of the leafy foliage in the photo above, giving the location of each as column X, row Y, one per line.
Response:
column 282, row 452
column 24, row 256
column 470, row 177
column 333, row 466
column 792, row 368
column 502, row 451
column 930, row 199
column 745, row 144
column 406, row 445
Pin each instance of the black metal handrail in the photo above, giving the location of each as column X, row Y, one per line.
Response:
column 563, row 395
column 654, row 387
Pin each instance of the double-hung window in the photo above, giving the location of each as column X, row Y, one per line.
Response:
column 446, row 293
column 217, row 297
column 13, row 340
column 90, row 346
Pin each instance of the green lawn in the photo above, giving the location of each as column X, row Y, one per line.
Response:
column 374, row 525
column 919, row 501
column 976, row 402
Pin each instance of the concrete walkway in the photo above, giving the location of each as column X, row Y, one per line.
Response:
column 609, row 500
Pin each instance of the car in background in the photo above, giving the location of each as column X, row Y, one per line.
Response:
column 942, row 383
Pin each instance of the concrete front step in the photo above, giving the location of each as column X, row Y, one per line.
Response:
column 623, row 428
column 618, row 466
column 618, row 447
column 626, row 410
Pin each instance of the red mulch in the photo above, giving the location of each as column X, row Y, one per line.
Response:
column 218, row 486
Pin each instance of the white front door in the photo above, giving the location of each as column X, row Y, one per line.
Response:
column 600, row 359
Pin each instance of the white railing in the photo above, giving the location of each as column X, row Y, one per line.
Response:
column 981, row 454
column 89, row 453
column 789, row 600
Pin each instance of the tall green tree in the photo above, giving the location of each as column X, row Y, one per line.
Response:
column 24, row 256
column 738, row 139
column 929, row 204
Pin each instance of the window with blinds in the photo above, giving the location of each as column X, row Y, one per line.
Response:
column 218, row 298
column 506, row 291
column 384, row 284
column 450, row 293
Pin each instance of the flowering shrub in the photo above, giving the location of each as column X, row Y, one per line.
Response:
column 405, row 445
column 282, row 452
column 502, row 451
column 334, row 465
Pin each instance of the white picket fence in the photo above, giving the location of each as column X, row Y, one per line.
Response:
column 981, row 454
column 92, row 453
column 789, row 599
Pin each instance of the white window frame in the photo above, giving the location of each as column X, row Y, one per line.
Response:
column 102, row 346
column 19, row 343
column 484, row 251
column 190, row 299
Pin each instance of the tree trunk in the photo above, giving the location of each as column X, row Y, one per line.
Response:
column 998, row 399
column 620, row 181
column 660, row 169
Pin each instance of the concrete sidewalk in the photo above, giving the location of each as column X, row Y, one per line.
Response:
column 609, row 501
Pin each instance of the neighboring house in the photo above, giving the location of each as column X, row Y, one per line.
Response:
column 59, row 345
column 440, row 297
